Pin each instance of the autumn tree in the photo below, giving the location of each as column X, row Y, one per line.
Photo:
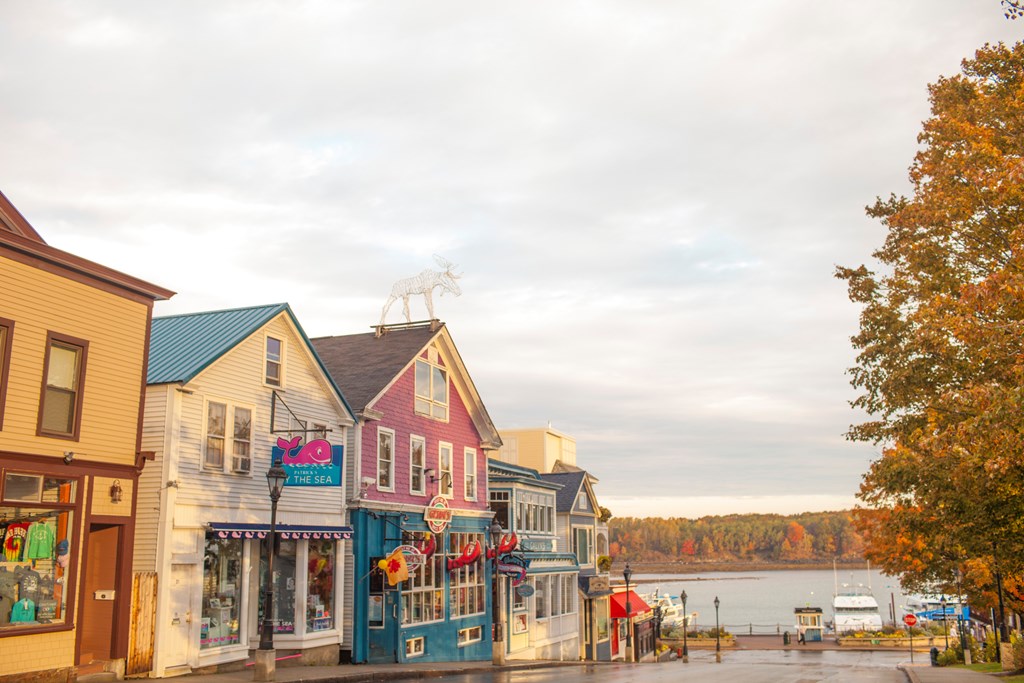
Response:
column 940, row 362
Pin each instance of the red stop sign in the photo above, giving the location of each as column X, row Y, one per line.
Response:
column 909, row 620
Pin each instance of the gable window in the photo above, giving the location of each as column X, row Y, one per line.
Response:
column 444, row 469
column 431, row 390
column 584, row 502
column 228, row 438
column 469, row 473
column 385, row 460
column 274, row 356
column 61, row 405
column 6, row 329
column 417, row 464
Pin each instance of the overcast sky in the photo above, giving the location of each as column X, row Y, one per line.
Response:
column 646, row 200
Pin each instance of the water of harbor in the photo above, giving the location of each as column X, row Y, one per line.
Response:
column 763, row 601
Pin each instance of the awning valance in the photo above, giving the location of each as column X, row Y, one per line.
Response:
column 636, row 605
column 285, row 531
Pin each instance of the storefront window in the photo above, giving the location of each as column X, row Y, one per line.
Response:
column 423, row 592
column 467, row 583
column 320, row 600
column 601, row 616
column 222, row 584
column 36, row 533
column 284, row 587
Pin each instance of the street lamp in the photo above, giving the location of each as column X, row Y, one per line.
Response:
column 686, row 627
column 718, row 635
column 627, row 573
column 498, row 636
column 945, row 629
column 657, row 621
column 264, row 668
column 961, row 627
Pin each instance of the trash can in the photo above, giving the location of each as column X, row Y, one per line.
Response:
column 785, row 637
column 935, row 656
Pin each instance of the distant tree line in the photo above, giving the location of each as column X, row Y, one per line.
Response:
column 807, row 537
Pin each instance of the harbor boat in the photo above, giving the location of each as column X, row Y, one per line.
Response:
column 854, row 608
column 672, row 614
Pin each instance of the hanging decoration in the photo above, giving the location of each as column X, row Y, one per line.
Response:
column 470, row 554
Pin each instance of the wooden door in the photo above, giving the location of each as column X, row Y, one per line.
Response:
column 99, row 594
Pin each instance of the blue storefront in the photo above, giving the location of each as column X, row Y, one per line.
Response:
column 442, row 611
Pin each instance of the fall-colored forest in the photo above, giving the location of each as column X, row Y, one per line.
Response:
column 807, row 537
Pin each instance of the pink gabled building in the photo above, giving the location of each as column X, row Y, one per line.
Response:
column 418, row 478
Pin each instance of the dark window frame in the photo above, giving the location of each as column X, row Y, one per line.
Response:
column 5, row 364
column 82, row 344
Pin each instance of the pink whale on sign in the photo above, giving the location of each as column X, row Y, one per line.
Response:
column 316, row 452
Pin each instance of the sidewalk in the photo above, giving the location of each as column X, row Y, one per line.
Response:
column 351, row 673
column 926, row 673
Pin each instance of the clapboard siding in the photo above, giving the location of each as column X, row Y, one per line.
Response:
column 39, row 302
column 151, row 481
column 236, row 378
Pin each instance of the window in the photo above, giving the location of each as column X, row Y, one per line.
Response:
column 218, row 443
column 38, row 513
column 417, row 464
column 431, row 390
column 470, row 635
column 466, row 584
column 61, row 409
column 469, row 473
column 222, row 586
column 320, row 585
column 500, row 504
column 318, row 431
column 581, row 545
column 569, row 593
column 535, row 512
column 518, row 601
column 540, row 597
column 274, row 355
column 423, row 591
column 601, row 615
column 415, row 647
column 444, row 467
column 583, row 501
column 385, row 459
column 286, row 570
column 6, row 330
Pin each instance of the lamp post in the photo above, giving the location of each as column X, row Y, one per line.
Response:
column 627, row 573
column 945, row 626
column 718, row 635
column 961, row 627
column 264, row 668
column 686, row 627
column 498, row 643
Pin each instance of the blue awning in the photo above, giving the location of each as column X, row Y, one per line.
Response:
column 285, row 531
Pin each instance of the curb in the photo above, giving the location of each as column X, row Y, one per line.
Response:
column 909, row 673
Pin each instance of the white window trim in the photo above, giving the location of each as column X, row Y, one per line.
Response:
column 417, row 651
column 229, row 436
column 467, row 631
column 441, row 445
column 413, row 440
column 469, row 458
column 432, row 363
column 284, row 355
column 376, row 470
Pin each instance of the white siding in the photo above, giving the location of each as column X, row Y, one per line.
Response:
column 147, row 512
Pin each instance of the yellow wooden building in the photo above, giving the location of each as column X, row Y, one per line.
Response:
column 73, row 355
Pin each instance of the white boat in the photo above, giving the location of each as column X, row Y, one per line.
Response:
column 928, row 607
column 672, row 614
column 854, row 608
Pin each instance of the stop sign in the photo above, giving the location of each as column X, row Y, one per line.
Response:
column 909, row 620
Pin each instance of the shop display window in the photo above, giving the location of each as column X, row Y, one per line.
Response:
column 283, row 615
column 36, row 536
column 320, row 578
column 466, row 584
column 222, row 585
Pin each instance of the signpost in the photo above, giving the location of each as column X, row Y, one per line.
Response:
column 910, row 620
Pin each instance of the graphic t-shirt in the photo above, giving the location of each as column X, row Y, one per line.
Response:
column 14, row 542
column 29, row 585
column 39, row 540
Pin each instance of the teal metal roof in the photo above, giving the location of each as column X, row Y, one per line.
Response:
column 182, row 346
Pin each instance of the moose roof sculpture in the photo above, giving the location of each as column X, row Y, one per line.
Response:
column 424, row 284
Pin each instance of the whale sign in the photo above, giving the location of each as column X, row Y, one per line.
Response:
column 315, row 463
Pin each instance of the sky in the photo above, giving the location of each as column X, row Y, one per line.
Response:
column 646, row 201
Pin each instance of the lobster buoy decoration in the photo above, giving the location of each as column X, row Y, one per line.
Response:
column 427, row 546
column 470, row 554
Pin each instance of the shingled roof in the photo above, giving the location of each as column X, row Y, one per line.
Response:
column 571, row 483
column 364, row 364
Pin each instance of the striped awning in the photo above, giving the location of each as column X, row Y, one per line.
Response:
column 284, row 531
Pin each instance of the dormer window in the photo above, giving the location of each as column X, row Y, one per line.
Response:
column 431, row 390
column 273, row 365
column 584, row 503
